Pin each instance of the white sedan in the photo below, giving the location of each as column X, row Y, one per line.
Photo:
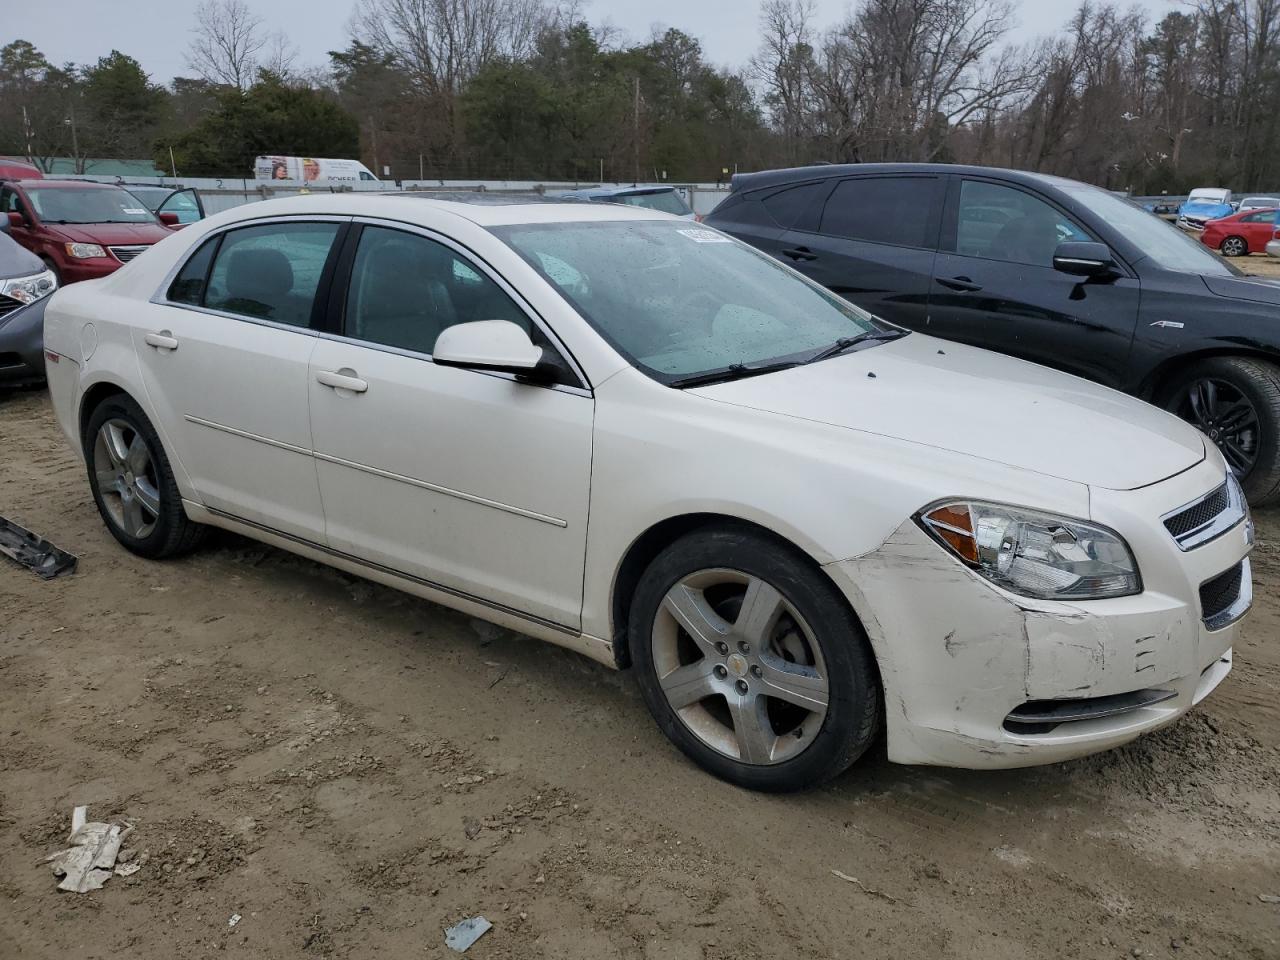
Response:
column 635, row 437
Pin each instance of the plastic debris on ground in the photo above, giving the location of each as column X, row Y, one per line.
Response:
column 91, row 860
column 34, row 552
column 462, row 935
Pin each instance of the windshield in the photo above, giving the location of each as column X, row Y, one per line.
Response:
column 1260, row 202
column 678, row 300
column 1164, row 243
column 667, row 201
column 151, row 197
column 88, row 205
column 1207, row 196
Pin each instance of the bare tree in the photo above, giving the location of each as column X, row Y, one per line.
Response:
column 229, row 39
column 783, row 67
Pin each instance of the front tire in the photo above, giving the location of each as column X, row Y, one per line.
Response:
column 1235, row 401
column 751, row 662
column 133, row 484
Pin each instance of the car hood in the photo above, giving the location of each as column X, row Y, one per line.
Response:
column 1257, row 289
column 983, row 404
column 17, row 261
column 1212, row 211
column 110, row 234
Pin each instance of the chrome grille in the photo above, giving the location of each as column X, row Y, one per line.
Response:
column 1196, row 523
column 125, row 254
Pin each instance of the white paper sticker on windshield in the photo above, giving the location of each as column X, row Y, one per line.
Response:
column 133, row 211
column 704, row 236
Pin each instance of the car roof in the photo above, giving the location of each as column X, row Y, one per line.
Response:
column 742, row 182
column 69, row 184
column 483, row 209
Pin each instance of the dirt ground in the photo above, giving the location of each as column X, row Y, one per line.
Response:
column 351, row 770
column 1260, row 264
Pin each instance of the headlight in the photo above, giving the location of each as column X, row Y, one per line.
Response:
column 1035, row 554
column 29, row 289
column 1236, row 493
column 85, row 251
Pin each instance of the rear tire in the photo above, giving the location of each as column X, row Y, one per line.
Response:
column 775, row 687
column 1223, row 396
column 133, row 484
column 1234, row 247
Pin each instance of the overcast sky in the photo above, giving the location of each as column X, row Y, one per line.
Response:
column 157, row 35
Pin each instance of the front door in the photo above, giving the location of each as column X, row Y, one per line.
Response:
column 471, row 481
column 225, row 361
column 994, row 285
column 874, row 245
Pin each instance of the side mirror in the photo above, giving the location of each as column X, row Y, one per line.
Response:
column 1084, row 259
column 168, row 219
column 16, row 219
column 488, row 345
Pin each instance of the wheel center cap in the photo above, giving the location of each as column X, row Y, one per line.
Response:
column 737, row 665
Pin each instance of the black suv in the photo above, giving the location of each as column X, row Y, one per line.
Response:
column 1047, row 269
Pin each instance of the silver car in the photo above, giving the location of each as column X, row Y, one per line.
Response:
column 25, row 285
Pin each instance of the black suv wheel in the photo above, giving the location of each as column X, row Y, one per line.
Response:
column 1235, row 401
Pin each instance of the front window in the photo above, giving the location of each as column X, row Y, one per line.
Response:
column 1003, row 223
column 679, row 300
column 1165, row 244
column 88, row 205
column 665, row 201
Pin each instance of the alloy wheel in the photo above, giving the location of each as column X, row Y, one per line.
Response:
column 127, row 479
column 1233, row 247
column 739, row 666
column 1227, row 416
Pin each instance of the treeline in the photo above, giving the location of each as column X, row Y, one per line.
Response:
column 529, row 89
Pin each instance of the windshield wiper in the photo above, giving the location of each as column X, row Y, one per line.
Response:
column 847, row 343
column 735, row 371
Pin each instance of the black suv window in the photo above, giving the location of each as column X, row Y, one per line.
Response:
column 1003, row 223
column 788, row 206
column 405, row 289
column 896, row 210
column 271, row 272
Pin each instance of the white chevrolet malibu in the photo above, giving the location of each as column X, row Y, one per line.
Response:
column 640, row 439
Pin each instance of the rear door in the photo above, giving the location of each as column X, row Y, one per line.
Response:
column 224, row 354
column 873, row 243
column 1258, row 228
column 995, row 286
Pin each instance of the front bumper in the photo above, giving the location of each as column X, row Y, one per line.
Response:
column 22, row 345
column 1193, row 224
column 957, row 656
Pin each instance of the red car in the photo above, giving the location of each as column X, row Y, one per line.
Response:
column 1241, row 233
column 81, row 230
column 11, row 169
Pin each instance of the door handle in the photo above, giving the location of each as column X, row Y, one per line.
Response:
column 342, row 381
column 164, row 340
column 959, row 283
column 800, row 253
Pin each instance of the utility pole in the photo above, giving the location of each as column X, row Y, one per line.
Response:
column 26, row 132
column 75, row 142
column 635, row 134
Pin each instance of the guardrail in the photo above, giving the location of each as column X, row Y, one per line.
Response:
column 222, row 193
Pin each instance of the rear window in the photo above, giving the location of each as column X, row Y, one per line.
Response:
column 667, row 201
column 893, row 210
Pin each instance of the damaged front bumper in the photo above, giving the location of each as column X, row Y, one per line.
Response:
column 977, row 677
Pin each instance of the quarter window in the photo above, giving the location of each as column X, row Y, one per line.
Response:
column 1001, row 223
column 896, row 210
column 405, row 289
column 271, row 272
column 188, row 285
